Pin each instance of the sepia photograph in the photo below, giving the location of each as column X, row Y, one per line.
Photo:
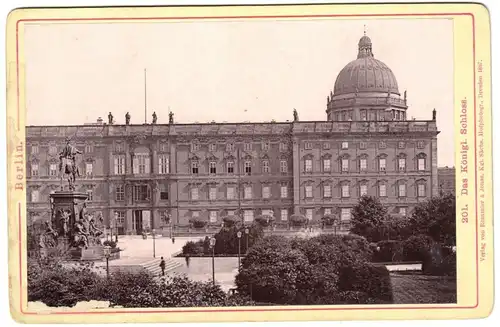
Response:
column 242, row 162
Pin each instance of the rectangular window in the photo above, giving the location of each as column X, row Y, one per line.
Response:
column 284, row 214
column 53, row 169
column 230, row 193
column 345, row 165
column 248, row 146
column 34, row 149
column 421, row 164
column 420, row 144
column 421, row 190
column 194, row 167
column 34, row 169
column 141, row 193
column 194, row 193
column 212, row 147
column 213, row 216
column 308, row 145
column 119, row 147
column 230, row 167
column 120, row 192
column 382, row 190
column 327, row 165
column 402, row 164
column 362, row 164
column 381, row 164
column 230, row 147
column 248, row 215
column 265, row 146
column 52, row 149
column 402, row 190
column 326, row 146
column 248, row 167
column 345, row 191
column 401, row 145
column 309, row 214
column 35, row 194
column 284, row 192
column 195, row 146
column 345, row 214
column 119, row 164
column 345, row 145
column 143, row 162
column 402, row 211
column 213, row 167
column 309, row 191
column 362, row 145
column 308, row 164
column 265, row 166
column 163, row 148
column 328, row 211
column 89, row 148
column 163, row 164
column 266, row 192
column 283, row 166
column 163, row 192
column 88, row 169
column 248, row 192
column 363, row 190
column 212, row 194
column 90, row 195
column 327, row 191
column 283, row 147
column 120, row 218
column 382, row 145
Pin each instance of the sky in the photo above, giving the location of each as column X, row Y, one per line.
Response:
column 228, row 70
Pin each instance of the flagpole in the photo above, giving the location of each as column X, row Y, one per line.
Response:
column 145, row 97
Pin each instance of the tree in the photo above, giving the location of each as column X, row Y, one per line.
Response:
column 436, row 218
column 367, row 218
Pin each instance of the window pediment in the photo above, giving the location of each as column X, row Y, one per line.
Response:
column 420, row 181
column 402, row 155
column 421, row 155
column 326, row 156
column 265, row 156
column 363, row 156
column 382, row 155
column 193, row 157
column 344, row 156
column 363, row 182
column 212, row 157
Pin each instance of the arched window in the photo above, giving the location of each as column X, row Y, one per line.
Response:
column 421, row 162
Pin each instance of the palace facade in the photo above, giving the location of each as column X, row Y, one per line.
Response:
column 157, row 175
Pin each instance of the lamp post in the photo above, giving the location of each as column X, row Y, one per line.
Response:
column 239, row 248
column 335, row 223
column 247, row 231
column 212, row 245
column 107, row 254
column 154, row 244
column 116, row 227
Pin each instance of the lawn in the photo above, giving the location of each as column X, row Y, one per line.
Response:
column 410, row 288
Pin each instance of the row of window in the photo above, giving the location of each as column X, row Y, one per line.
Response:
column 229, row 147
column 345, row 190
column 248, row 215
column 53, row 150
column 54, row 169
column 363, row 164
column 231, row 193
column 35, row 195
column 362, row 145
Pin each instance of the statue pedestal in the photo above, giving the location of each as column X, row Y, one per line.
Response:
column 92, row 253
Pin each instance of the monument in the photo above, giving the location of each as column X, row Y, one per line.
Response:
column 72, row 231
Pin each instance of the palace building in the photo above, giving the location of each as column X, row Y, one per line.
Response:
column 157, row 175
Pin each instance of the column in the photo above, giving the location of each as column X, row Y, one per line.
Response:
column 296, row 174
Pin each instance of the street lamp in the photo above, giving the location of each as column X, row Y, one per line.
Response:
column 107, row 254
column 335, row 224
column 247, row 231
column 239, row 248
column 154, row 244
column 116, row 227
column 212, row 246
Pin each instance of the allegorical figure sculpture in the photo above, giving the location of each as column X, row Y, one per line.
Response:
column 49, row 238
column 434, row 114
column 127, row 118
column 80, row 235
column 170, row 117
column 110, row 118
column 155, row 118
column 295, row 115
column 65, row 215
column 67, row 164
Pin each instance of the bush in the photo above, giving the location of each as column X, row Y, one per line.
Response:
column 329, row 220
column 198, row 223
column 298, row 220
column 416, row 247
column 372, row 280
column 193, row 248
column 230, row 221
column 437, row 264
column 264, row 220
column 388, row 251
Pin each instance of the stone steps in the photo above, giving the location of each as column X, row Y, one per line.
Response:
column 153, row 266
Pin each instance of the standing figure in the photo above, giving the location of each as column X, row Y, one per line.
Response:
column 65, row 222
column 155, row 118
column 162, row 266
column 67, row 164
column 80, row 238
column 295, row 115
column 170, row 117
column 434, row 114
column 127, row 118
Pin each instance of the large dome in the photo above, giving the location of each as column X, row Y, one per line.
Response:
column 365, row 74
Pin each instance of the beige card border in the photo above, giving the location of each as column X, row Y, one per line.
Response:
column 472, row 95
